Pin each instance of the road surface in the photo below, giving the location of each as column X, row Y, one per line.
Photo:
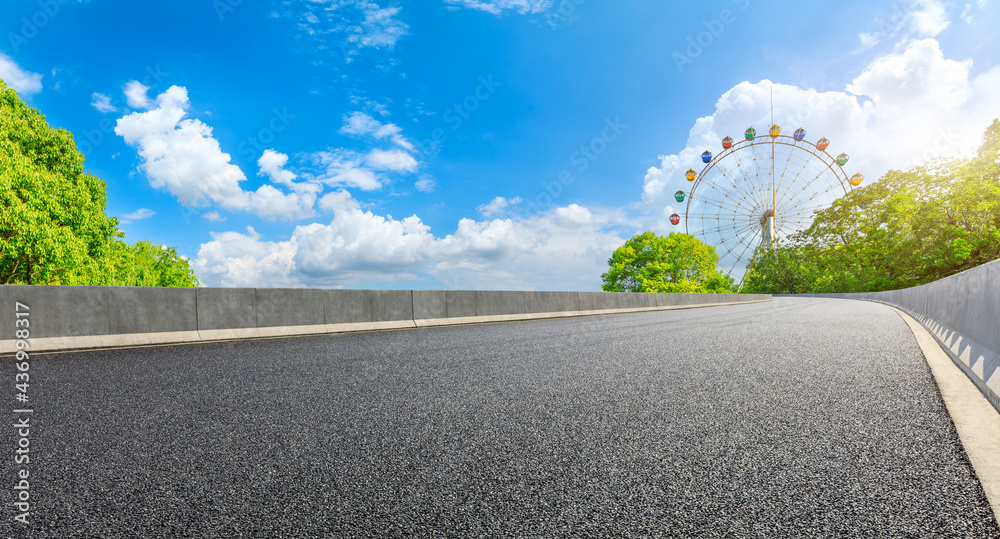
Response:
column 793, row 418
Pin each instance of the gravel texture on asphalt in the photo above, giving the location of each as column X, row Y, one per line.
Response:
column 794, row 418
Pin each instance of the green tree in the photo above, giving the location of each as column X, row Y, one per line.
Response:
column 53, row 225
column 907, row 229
column 674, row 263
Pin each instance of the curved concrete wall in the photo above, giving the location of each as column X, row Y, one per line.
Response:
column 68, row 317
column 963, row 314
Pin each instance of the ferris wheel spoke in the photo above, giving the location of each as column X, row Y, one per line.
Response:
column 731, row 188
column 735, row 207
column 789, row 198
column 734, row 238
column 746, row 246
column 749, row 233
column 740, row 258
column 729, row 228
column 740, row 186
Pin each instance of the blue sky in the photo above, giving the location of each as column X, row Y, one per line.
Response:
column 476, row 144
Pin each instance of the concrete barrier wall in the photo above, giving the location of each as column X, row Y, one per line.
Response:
column 963, row 314
column 68, row 317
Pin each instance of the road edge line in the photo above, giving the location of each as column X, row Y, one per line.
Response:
column 975, row 419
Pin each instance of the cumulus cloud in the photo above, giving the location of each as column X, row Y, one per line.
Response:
column 565, row 248
column 272, row 164
column 497, row 206
column 344, row 168
column 574, row 215
column 234, row 259
column 394, row 160
column 919, row 76
column 21, row 81
column 181, row 156
column 136, row 95
column 928, row 17
column 102, row 103
column 213, row 216
column 339, row 200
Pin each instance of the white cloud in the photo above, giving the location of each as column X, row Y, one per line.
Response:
column 425, row 184
column 343, row 168
column 337, row 201
column 554, row 250
column 967, row 10
column 213, row 216
column 497, row 206
column 361, row 124
column 233, row 259
column 491, row 240
column 497, row 7
column 356, row 24
column 912, row 20
column 102, row 103
column 371, row 104
column 869, row 40
column 574, row 215
column 136, row 95
column 272, row 164
column 21, row 81
column 919, row 76
column 140, row 214
column 181, row 156
column 361, row 178
column 394, row 160
column 929, row 17
column 379, row 27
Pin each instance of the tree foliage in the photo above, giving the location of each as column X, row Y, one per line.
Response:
column 907, row 229
column 674, row 263
column 53, row 225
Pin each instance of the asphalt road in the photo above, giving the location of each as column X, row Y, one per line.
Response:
column 795, row 418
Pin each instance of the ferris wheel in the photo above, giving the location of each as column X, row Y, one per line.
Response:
column 758, row 190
